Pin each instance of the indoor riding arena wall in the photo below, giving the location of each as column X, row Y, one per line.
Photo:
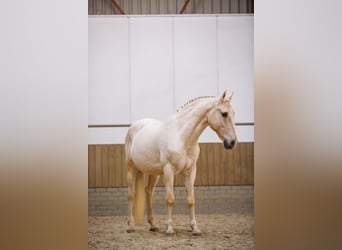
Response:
column 224, row 181
column 148, row 66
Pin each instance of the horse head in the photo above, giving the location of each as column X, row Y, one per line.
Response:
column 221, row 120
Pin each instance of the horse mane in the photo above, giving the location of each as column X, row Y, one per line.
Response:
column 188, row 103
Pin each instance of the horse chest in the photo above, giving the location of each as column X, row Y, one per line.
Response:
column 181, row 161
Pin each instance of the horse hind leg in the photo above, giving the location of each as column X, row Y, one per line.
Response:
column 131, row 176
column 152, row 181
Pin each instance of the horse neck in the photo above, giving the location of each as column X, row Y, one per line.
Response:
column 192, row 121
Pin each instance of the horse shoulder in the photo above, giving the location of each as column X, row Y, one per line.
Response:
column 182, row 158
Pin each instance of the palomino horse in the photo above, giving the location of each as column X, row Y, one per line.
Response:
column 155, row 148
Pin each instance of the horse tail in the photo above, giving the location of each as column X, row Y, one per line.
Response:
column 139, row 198
column 138, row 181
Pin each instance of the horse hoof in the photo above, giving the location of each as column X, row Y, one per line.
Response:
column 196, row 233
column 154, row 229
column 130, row 230
column 170, row 234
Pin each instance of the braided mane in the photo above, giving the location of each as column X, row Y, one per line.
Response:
column 194, row 100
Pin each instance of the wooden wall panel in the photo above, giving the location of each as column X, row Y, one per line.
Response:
column 105, row 166
column 98, row 166
column 250, row 157
column 215, row 166
column 202, row 163
column 111, row 162
column 243, row 173
column 91, row 166
column 119, row 167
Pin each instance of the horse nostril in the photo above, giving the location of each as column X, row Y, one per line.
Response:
column 229, row 144
column 226, row 144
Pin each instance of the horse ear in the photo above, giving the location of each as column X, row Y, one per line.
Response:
column 231, row 96
column 223, row 96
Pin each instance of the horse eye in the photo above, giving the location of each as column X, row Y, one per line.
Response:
column 224, row 114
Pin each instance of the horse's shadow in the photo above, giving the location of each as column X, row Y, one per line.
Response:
column 181, row 232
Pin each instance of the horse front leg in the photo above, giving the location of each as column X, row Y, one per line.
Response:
column 170, row 198
column 189, row 185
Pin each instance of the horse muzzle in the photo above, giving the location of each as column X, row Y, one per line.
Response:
column 229, row 142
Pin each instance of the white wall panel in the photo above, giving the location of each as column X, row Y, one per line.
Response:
column 235, row 57
column 151, row 67
column 107, row 135
column 195, row 58
column 108, row 70
column 244, row 134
